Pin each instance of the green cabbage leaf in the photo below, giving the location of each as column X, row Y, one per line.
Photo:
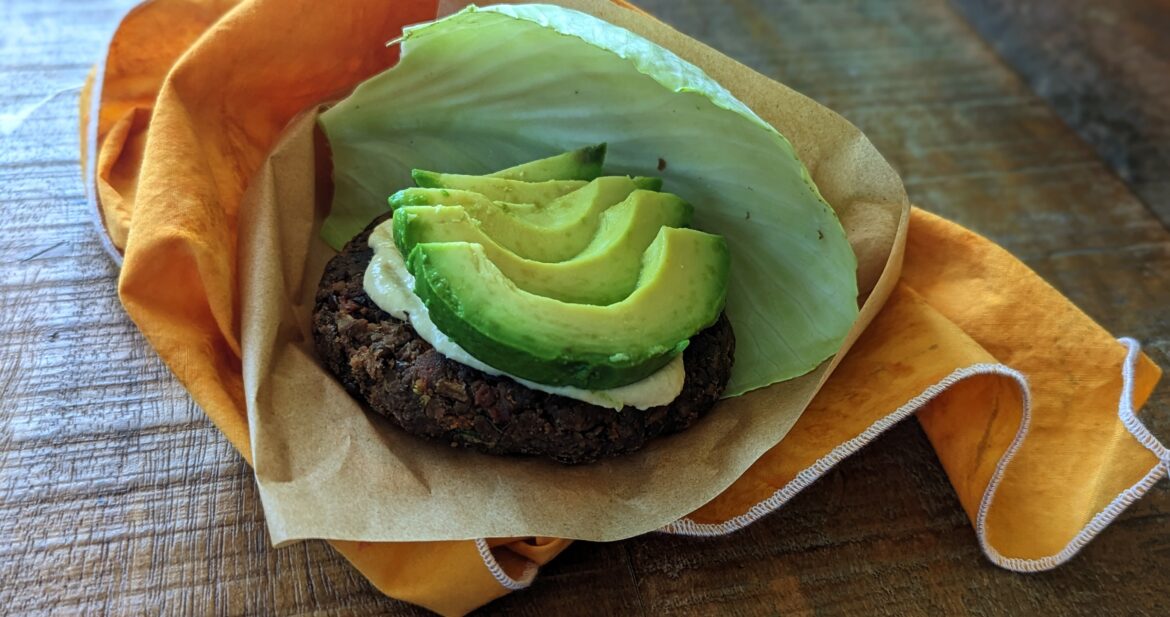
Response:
column 487, row 88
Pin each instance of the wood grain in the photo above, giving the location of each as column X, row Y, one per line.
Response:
column 118, row 497
column 1104, row 67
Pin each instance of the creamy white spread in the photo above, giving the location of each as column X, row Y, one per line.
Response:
column 391, row 287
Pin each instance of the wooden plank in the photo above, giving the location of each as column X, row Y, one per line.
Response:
column 1104, row 67
column 118, row 497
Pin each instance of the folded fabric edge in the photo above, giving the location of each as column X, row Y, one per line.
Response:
column 497, row 571
column 1102, row 519
column 91, row 103
column 811, row 474
column 823, row 465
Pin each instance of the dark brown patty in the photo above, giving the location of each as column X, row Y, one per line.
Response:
column 383, row 362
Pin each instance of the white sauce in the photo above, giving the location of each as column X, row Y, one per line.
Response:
column 391, row 287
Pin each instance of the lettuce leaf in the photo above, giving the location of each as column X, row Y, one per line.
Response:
column 491, row 87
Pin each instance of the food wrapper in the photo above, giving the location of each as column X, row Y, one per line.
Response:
column 327, row 469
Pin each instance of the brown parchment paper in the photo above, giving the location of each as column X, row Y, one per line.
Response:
column 328, row 469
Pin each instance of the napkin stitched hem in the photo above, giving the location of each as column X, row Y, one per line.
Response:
column 497, row 571
column 823, row 465
column 96, row 82
column 1099, row 522
column 1124, row 499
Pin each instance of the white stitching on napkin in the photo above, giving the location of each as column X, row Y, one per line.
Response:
column 813, row 473
column 1102, row 519
column 1125, row 407
column 92, row 201
column 493, row 566
column 1124, row 411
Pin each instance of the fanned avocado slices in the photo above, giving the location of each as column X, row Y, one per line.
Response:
column 606, row 271
column 554, row 276
column 563, row 233
column 680, row 291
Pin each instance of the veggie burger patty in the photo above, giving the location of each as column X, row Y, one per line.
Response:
column 382, row 361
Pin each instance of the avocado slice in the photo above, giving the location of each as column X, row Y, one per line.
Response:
column 548, row 238
column 586, row 203
column 469, row 200
column 473, row 200
column 680, row 291
column 498, row 189
column 580, row 164
column 514, row 191
column 605, row 272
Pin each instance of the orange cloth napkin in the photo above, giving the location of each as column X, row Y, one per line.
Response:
column 1028, row 403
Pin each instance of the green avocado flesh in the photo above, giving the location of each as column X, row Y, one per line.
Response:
column 538, row 193
column 581, row 164
column 605, row 272
column 680, row 290
column 556, row 232
column 498, row 189
column 580, row 209
column 470, row 200
column 554, row 273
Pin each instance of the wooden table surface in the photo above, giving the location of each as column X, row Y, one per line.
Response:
column 1044, row 125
